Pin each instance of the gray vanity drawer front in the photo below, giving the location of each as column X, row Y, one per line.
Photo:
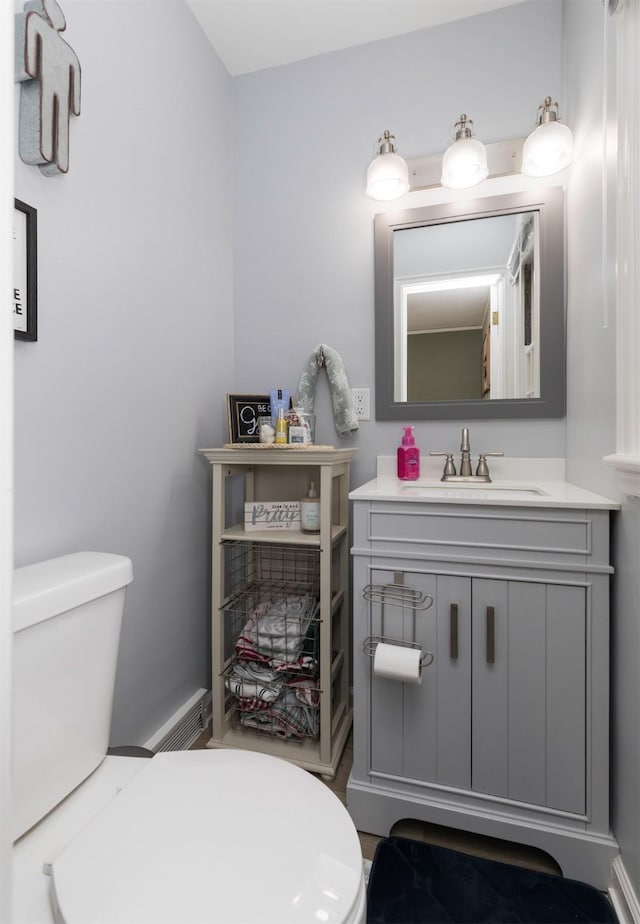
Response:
column 566, row 536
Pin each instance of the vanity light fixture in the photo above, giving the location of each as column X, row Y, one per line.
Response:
column 465, row 161
column 549, row 147
column 387, row 174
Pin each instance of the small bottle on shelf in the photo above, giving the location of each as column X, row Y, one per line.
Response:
column 310, row 511
column 281, row 428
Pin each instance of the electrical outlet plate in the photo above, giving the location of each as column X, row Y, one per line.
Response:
column 361, row 403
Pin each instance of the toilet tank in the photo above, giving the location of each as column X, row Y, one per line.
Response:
column 67, row 614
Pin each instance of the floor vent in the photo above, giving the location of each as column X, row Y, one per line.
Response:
column 192, row 724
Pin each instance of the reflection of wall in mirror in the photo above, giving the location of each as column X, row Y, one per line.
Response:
column 444, row 366
column 458, row 247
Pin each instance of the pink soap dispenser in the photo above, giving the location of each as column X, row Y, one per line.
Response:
column 408, row 457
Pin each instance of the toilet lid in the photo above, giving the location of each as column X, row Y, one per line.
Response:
column 226, row 835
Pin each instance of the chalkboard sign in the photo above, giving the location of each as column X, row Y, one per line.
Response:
column 244, row 411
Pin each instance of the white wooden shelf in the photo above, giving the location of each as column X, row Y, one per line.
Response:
column 281, row 536
column 244, row 475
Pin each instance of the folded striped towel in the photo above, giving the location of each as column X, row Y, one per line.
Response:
column 252, row 681
column 287, row 718
column 275, row 632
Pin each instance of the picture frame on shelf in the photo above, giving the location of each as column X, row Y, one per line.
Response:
column 243, row 413
column 25, row 271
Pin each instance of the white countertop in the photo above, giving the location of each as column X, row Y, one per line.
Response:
column 526, row 490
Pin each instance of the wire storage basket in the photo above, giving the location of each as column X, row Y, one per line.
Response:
column 275, row 569
column 272, row 627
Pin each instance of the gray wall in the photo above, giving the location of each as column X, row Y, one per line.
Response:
column 591, row 394
column 304, row 228
column 128, row 377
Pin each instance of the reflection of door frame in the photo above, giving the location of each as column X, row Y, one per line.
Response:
column 525, row 371
column 531, row 372
column 404, row 286
column 486, row 360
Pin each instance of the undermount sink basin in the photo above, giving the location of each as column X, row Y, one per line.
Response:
column 469, row 489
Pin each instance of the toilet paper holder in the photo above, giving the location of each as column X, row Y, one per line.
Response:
column 396, row 594
column 371, row 642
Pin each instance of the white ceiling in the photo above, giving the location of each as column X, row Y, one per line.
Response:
column 249, row 35
column 454, row 308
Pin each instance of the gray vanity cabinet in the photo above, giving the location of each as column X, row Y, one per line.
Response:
column 508, row 733
column 529, row 687
column 423, row 731
column 501, row 709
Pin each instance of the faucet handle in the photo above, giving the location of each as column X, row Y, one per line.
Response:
column 482, row 470
column 449, row 467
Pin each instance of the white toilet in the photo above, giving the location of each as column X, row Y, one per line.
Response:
column 192, row 836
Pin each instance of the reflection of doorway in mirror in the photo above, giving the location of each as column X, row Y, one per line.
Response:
column 448, row 292
column 440, row 332
column 486, row 362
column 524, row 276
column 531, row 320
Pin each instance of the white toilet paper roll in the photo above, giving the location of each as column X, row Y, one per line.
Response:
column 396, row 662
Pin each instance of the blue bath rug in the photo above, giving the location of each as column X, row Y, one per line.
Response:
column 416, row 883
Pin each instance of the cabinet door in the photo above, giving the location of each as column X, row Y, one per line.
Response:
column 529, row 692
column 423, row 731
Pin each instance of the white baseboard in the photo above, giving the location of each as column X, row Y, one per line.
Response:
column 622, row 894
column 172, row 725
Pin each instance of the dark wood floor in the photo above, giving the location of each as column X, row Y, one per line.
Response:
column 488, row 847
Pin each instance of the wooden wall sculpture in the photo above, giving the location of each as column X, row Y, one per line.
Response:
column 49, row 73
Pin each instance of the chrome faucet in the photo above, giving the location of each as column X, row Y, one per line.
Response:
column 466, row 471
column 465, row 453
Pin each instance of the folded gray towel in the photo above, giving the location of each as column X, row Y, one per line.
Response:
column 344, row 415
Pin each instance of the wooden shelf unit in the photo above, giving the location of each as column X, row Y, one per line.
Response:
column 240, row 476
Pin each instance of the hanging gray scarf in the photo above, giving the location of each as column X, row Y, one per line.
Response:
column 323, row 357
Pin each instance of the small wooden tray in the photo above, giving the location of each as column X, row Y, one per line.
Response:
column 296, row 447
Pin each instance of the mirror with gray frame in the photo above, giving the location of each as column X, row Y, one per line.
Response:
column 470, row 309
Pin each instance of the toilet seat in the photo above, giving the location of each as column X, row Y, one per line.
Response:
column 217, row 836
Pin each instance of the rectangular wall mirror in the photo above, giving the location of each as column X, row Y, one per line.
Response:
column 470, row 309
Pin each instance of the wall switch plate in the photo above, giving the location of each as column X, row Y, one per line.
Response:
column 361, row 403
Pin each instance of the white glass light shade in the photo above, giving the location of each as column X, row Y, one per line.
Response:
column 547, row 150
column 387, row 177
column 464, row 164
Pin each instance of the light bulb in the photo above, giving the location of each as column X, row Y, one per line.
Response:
column 387, row 174
column 464, row 164
column 547, row 150
column 465, row 161
column 549, row 147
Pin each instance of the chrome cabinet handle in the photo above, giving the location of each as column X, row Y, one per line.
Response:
column 453, row 632
column 491, row 635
